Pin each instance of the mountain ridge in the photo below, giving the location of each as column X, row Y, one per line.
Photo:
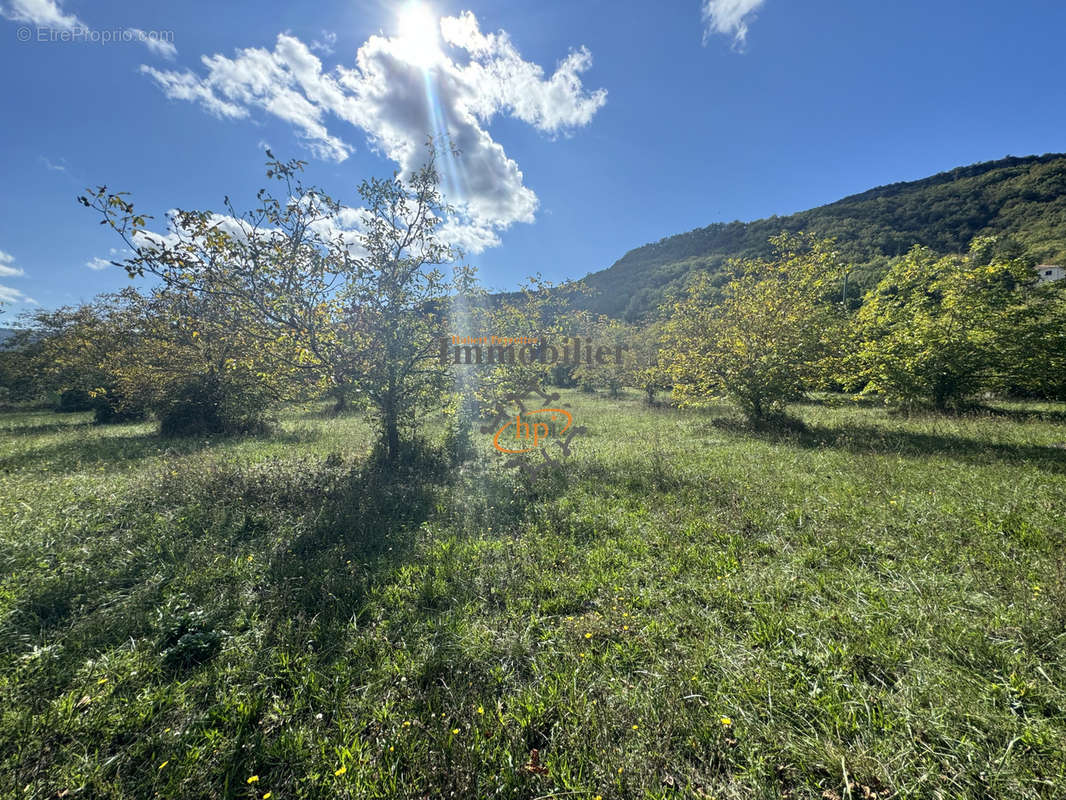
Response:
column 1020, row 197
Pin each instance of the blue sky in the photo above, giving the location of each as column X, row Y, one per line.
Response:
column 588, row 127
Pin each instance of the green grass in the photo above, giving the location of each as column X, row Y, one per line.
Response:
column 874, row 606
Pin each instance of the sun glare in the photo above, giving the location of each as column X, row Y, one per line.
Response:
column 418, row 31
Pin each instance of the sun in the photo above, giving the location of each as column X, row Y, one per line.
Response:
column 418, row 32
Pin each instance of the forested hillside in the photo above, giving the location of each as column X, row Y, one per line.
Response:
column 1024, row 198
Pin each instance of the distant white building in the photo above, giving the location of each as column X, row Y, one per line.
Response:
column 1050, row 272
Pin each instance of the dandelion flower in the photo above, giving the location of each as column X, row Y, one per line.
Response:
column 588, row 635
column 407, row 723
column 340, row 771
column 268, row 795
column 635, row 727
column 253, row 779
column 481, row 709
column 726, row 721
column 455, row 731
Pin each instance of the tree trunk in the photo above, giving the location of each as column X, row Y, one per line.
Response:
column 392, row 438
column 341, row 404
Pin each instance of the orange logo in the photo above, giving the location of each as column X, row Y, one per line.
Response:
column 541, row 431
column 535, row 432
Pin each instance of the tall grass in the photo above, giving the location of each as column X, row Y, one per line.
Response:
column 869, row 606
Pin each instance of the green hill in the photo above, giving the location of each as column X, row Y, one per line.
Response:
column 1024, row 198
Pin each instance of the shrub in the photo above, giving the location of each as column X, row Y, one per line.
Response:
column 212, row 405
column 73, row 400
column 112, row 408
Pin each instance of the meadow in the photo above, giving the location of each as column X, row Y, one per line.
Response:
column 869, row 606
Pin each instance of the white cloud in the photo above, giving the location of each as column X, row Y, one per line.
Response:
column 155, row 45
column 325, row 47
column 9, row 295
column 498, row 80
column 6, row 270
column 469, row 236
column 186, row 86
column 43, row 13
column 730, row 18
column 98, row 263
column 397, row 96
column 60, row 167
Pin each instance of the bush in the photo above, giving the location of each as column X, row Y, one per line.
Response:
column 73, row 400
column 211, row 405
column 109, row 408
column 113, row 409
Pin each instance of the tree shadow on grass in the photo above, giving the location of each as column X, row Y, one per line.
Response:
column 116, row 446
column 364, row 526
column 40, row 429
column 872, row 440
column 1022, row 415
column 329, row 531
column 67, row 456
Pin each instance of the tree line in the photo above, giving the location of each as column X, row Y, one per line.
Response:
column 245, row 311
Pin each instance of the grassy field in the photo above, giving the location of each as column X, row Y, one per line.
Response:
column 874, row 607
